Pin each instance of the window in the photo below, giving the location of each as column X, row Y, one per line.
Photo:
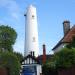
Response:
column 32, row 16
column 33, row 39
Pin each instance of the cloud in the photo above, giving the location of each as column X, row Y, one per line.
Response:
column 11, row 6
column 14, row 15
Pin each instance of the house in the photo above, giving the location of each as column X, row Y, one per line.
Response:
column 69, row 33
column 30, row 66
column 48, row 57
column 44, row 57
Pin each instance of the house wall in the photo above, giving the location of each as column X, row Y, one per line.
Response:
column 29, row 62
column 59, row 48
column 39, row 69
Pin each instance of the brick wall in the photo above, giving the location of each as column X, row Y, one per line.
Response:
column 3, row 71
column 70, row 71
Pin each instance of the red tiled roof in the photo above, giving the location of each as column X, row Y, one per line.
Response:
column 70, row 35
column 67, row 38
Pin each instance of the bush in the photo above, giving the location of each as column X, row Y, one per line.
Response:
column 49, row 68
column 19, row 56
column 7, row 38
column 10, row 61
column 61, row 60
column 65, row 58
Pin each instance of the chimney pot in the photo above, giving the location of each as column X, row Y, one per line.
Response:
column 66, row 21
column 33, row 53
column 66, row 26
column 44, row 53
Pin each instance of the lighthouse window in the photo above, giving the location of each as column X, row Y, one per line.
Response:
column 33, row 16
column 33, row 39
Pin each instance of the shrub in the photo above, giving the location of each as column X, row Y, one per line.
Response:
column 65, row 58
column 10, row 61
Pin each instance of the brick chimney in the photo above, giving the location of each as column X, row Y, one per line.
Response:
column 66, row 26
column 44, row 54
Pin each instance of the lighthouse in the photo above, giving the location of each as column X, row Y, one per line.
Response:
column 31, row 31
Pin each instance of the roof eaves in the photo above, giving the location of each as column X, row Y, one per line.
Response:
column 58, row 44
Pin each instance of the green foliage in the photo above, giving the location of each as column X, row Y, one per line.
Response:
column 61, row 60
column 65, row 58
column 9, row 60
column 71, row 44
column 49, row 68
column 7, row 37
column 45, row 69
column 19, row 56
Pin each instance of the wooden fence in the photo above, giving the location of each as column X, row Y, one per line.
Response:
column 70, row 71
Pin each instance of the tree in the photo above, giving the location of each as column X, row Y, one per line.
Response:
column 65, row 58
column 7, row 38
column 49, row 68
column 8, row 58
column 19, row 56
column 10, row 61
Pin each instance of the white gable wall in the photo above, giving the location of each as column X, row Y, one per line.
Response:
column 59, row 48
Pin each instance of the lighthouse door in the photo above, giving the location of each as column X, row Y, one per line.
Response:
column 29, row 70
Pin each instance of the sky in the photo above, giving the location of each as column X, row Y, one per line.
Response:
column 51, row 14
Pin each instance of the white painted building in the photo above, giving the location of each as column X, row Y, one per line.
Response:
column 31, row 31
column 30, row 66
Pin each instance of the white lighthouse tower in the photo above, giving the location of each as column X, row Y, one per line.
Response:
column 31, row 31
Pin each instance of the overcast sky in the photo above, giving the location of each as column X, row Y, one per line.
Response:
column 51, row 14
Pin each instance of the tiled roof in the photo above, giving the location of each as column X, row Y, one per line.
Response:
column 30, row 56
column 70, row 35
column 67, row 38
column 39, row 59
column 48, row 57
